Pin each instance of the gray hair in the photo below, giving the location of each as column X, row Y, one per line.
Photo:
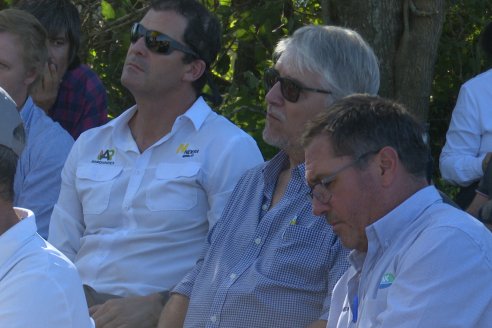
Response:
column 345, row 61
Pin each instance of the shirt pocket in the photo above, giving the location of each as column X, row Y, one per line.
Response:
column 300, row 258
column 94, row 186
column 175, row 187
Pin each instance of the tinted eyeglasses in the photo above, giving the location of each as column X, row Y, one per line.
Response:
column 290, row 89
column 158, row 42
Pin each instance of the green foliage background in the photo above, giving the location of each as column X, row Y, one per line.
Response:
column 251, row 29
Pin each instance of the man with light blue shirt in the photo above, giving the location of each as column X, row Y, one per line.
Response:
column 140, row 193
column 417, row 262
column 39, row 286
column 269, row 262
column 23, row 54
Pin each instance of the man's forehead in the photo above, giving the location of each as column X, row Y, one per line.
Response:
column 319, row 150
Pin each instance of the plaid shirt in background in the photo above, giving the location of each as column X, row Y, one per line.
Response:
column 82, row 102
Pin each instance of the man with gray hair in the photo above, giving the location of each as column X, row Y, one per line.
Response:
column 269, row 262
column 39, row 287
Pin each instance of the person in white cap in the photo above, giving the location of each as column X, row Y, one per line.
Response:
column 39, row 286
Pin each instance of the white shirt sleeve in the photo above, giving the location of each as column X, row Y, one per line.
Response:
column 67, row 221
column 461, row 158
column 240, row 154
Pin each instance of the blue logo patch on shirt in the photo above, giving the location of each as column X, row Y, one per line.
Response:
column 387, row 280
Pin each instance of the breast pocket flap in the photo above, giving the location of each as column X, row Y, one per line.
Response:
column 98, row 173
column 171, row 171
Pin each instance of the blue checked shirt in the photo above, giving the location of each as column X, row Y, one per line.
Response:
column 265, row 267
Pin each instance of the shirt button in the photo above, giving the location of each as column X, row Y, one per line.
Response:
column 258, row 241
column 213, row 318
column 264, row 207
column 233, row 276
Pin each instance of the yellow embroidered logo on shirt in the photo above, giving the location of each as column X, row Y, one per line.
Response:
column 186, row 150
column 182, row 148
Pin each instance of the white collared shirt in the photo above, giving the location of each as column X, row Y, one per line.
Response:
column 39, row 287
column 134, row 223
column 469, row 137
column 428, row 264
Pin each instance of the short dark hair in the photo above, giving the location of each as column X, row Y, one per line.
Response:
column 359, row 124
column 202, row 34
column 486, row 40
column 57, row 16
column 8, row 166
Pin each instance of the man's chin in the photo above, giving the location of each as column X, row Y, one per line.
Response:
column 272, row 140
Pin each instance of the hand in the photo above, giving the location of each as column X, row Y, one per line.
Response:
column 174, row 313
column 45, row 91
column 128, row 312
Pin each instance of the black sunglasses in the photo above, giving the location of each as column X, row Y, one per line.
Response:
column 290, row 89
column 158, row 42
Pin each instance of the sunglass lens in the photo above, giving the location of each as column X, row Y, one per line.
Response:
column 270, row 78
column 153, row 43
column 290, row 90
column 134, row 33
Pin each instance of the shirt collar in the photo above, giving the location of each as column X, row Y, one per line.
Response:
column 26, row 109
column 19, row 234
column 273, row 167
column 385, row 230
column 197, row 113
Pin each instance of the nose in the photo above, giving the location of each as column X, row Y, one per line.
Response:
column 274, row 95
column 320, row 209
column 139, row 45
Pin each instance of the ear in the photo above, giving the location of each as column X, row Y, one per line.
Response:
column 30, row 77
column 388, row 163
column 194, row 70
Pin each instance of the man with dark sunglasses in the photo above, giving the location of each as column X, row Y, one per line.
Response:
column 140, row 193
column 416, row 261
column 269, row 262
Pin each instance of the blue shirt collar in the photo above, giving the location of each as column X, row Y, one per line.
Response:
column 385, row 230
column 273, row 167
